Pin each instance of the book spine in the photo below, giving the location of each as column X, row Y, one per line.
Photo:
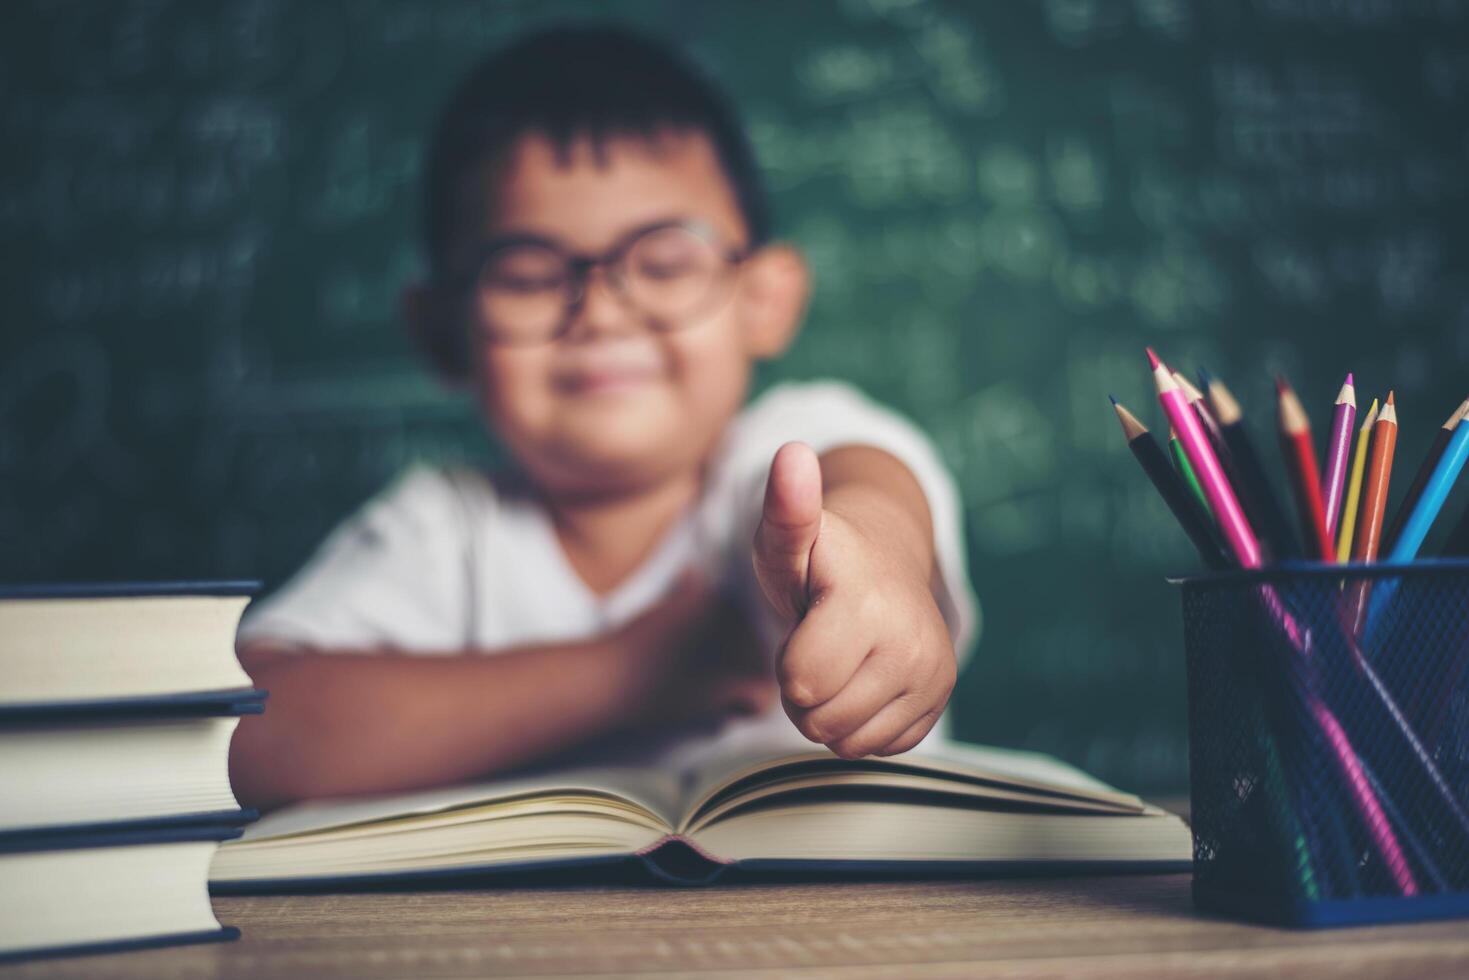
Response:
column 223, row 934
column 676, row 859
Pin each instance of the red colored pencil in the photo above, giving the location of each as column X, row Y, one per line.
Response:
column 1300, row 461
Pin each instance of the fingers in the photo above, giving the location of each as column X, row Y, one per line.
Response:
column 892, row 725
column 880, row 712
column 821, row 655
column 888, row 703
column 789, row 522
column 875, row 685
column 915, row 734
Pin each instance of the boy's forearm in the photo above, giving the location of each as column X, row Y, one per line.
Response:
column 339, row 723
column 878, row 493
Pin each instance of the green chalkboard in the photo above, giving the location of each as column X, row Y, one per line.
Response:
column 207, row 211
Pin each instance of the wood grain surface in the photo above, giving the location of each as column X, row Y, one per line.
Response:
column 1135, row 926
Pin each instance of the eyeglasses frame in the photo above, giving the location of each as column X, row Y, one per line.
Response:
column 580, row 266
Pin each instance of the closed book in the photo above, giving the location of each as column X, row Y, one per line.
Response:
column 85, row 645
column 96, row 892
column 137, row 761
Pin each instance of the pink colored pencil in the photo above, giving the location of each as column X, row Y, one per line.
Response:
column 1338, row 453
column 1222, row 501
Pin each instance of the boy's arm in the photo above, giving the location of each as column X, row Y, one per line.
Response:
column 845, row 553
column 339, row 723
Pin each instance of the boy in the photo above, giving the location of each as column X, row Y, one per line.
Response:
column 652, row 568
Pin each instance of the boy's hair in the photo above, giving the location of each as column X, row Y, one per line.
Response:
column 578, row 82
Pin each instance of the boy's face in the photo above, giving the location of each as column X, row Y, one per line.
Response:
column 613, row 404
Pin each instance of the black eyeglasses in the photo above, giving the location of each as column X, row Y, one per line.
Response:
column 529, row 289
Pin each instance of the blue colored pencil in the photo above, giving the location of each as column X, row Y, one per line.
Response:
column 1435, row 492
column 1415, row 529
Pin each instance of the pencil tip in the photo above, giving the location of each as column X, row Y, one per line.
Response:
column 1153, row 361
column 1114, row 400
column 1281, row 386
column 1205, row 378
column 1389, row 397
column 1349, row 380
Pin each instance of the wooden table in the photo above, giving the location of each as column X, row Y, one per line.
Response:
column 1136, row 926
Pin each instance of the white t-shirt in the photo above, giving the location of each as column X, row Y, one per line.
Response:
column 452, row 560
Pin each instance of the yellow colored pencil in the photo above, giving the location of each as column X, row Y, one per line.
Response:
column 1354, row 487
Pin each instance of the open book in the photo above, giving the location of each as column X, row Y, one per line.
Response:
column 957, row 807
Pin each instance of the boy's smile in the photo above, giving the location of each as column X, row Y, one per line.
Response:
column 610, row 372
column 616, row 403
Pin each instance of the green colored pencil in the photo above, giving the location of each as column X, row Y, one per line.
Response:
column 1180, row 460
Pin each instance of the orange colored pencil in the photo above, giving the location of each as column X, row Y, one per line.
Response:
column 1379, row 475
column 1300, row 461
column 1374, row 506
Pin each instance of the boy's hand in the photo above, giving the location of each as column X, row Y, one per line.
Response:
column 869, row 665
column 695, row 659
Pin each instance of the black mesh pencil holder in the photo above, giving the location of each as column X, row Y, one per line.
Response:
column 1329, row 741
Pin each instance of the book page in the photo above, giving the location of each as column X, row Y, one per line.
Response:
column 1033, row 768
column 652, row 791
column 817, row 834
column 1012, row 774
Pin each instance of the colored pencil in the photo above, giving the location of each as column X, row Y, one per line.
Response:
column 1435, row 492
column 1423, row 853
column 1206, row 419
column 1354, row 487
column 1185, row 471
column 1241, row 538
column 1383, row 591
column 1300, row 462
column 1420, row 479
column 1415, row 529
column 1189, row 513
column 1251, row 481
column 1237, row 531
column 1376, row 482
column 1338, row 450
column 1374, row 505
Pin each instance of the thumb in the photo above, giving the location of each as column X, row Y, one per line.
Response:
column 789, row 523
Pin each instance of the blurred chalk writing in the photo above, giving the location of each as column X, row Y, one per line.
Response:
column 208, row 212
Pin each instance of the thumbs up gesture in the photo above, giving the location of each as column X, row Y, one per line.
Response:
column 868, row 664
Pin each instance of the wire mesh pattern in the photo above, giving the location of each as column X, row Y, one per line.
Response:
column 1329, row 741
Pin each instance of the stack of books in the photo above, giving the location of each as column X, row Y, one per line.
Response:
column 117, row 706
